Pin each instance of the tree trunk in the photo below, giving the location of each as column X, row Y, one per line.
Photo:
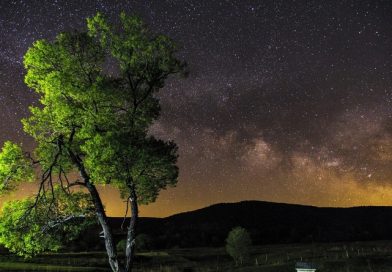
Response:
column 131, row 234
column 107, row 232
column 101, row 215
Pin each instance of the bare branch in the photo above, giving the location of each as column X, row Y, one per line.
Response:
column 61, row 221
column 126, row 213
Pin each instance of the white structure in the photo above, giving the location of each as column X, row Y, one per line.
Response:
column 305, row 267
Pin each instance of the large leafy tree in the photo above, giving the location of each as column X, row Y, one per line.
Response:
column 97, row 94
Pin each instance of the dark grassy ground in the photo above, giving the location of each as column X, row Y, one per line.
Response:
column 346, row 257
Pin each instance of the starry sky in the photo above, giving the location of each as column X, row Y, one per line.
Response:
column 287, row 100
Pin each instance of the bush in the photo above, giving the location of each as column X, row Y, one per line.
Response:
column 143, row 242
column 238, row 244
column 121, row 245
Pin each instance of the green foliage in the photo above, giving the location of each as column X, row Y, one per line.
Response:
column 14, row 167
column 238, row 244
column 28, row 227
column 23, row 236
column 92, row 121
column 153, row 168
column 143, row 242
column 121, row 245
column 101, row 117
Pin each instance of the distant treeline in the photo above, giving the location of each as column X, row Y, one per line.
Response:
column 268, row 223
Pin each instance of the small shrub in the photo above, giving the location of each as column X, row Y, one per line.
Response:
column 121, row 245
column 238, row 244
column 143, row 242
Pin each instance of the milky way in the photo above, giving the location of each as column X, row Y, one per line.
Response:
column 286, row 101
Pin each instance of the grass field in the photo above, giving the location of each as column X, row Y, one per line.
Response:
column 346, row 257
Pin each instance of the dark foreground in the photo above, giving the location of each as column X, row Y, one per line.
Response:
column 373, row 256
column 267, row 223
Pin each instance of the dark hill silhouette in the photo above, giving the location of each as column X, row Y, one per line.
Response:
column 268, row 223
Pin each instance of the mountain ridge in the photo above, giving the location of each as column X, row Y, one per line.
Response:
column 268, row 223
column 267, row 202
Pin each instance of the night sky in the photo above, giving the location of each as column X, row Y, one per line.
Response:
column 286, row 101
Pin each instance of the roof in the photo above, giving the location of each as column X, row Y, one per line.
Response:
column 303, row 265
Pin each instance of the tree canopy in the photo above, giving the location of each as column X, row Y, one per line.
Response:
column 97, row 102
column 238, row 244
column 49, row 226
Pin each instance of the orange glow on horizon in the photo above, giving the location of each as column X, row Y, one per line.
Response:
column 331, row 192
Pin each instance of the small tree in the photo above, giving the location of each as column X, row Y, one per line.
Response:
column 142, row 242
column 238, row 244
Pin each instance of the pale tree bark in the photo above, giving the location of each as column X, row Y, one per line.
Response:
column 131, row 233
column 107, row 231
column 103, row 220
column 101, row 215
